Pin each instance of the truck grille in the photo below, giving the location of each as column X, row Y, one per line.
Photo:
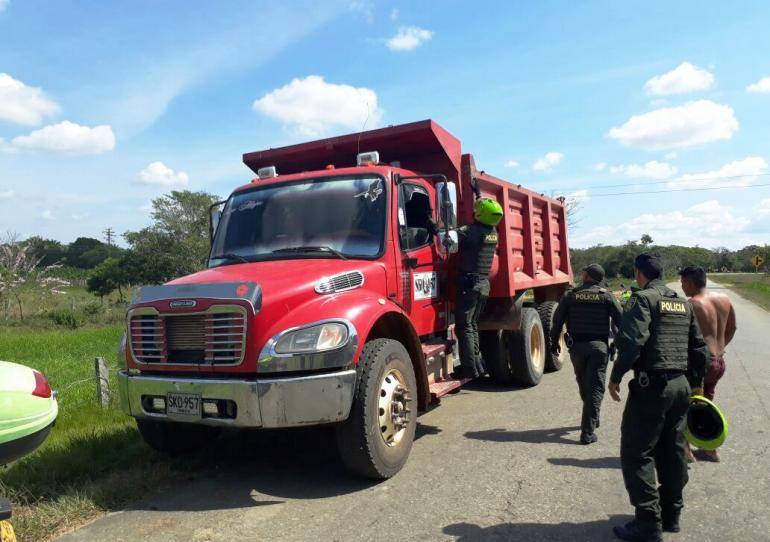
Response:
column 212, row 338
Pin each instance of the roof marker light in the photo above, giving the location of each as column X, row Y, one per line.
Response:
column 371, row 158
column 267, row 172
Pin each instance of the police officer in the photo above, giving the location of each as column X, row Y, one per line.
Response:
column 588, row 311
column 660, row 340
column 478, row 242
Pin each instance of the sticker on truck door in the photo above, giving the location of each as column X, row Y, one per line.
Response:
column 425, row 285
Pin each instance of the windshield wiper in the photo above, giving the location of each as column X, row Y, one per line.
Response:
column 322, row 248
column 231, row 256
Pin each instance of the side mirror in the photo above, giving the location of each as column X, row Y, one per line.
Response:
column 451, row 243
column 215, row 215
column 446, row 193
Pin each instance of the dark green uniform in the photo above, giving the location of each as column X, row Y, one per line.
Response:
column 588, row 310
column 660, row 340
column 476, row 252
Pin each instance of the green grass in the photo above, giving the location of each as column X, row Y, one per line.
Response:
column 753, row 286
column 93, row 459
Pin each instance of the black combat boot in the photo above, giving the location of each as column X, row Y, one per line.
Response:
column 636, row 531
column 588, row 438
column 671, row 522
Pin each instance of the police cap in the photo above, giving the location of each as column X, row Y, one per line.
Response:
column 595, row 271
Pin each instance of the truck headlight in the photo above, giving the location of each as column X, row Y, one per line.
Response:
column 312, row 339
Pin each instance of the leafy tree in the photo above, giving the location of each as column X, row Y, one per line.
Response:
column 177, row 243
column 646, row 240
column 47, row 251
column 107, row 277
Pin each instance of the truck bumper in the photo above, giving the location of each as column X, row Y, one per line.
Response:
column 267, row 403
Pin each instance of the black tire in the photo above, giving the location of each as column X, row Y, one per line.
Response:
column 495, row 350
column 546, row 310
column 360, row 439
column 528, row 357
column 176, row 438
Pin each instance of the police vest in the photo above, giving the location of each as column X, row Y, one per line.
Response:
column 588, row 316
column 477, row 249
column 668, row 345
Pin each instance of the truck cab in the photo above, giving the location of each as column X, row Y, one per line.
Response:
column 328, row 298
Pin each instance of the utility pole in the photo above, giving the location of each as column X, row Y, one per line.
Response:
column 108, row 233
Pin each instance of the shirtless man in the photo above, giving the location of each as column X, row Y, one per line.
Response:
column 716, row 319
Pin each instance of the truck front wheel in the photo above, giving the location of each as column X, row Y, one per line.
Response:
column 377, row 437
column 176, row 438
column 528, row 349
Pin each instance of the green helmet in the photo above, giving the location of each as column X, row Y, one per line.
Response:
column 706, row 425
column 487, row 211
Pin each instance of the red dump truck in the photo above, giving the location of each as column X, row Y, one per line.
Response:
column 328, row 298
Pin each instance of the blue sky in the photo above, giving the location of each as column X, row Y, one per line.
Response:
column 106, row 105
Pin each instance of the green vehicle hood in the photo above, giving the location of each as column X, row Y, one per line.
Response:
column 21, row 413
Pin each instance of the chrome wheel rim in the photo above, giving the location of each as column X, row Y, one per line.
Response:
column 393, row 407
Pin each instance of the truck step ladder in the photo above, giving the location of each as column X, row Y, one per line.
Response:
column 443, row 387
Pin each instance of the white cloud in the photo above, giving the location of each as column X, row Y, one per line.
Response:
column 6, row 194
column 47, row 214
column 707, row 224
column 671, row 156
column 409, row 38
column 650, row 170
column 160, row 174
column 578, row 195
column 365, row 8
column 548, row 162
column 682, row 79
column 760, row 87
column 21, row 104
column 67, row 137
column 511, row 163
column 313, row 107
column 694, row 123
column 763, row 209
column 601, row 166
column 736, row 173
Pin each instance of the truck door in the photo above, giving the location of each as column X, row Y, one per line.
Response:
column 423, row 271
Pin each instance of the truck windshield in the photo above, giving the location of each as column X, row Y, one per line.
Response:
column 319, row 218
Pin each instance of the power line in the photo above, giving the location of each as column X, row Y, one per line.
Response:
column 676, row 190
column 109, row 234
column 672, row 180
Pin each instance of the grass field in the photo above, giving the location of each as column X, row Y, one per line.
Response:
column 93, row 460
column 753, row 286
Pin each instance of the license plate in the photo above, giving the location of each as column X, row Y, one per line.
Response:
column 183, row 404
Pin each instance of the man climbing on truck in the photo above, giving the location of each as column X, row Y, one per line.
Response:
column 478, row 242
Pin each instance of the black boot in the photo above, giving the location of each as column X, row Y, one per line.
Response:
column 464, row 371
column 588, row 438
column 635, row 531
column 671, row 522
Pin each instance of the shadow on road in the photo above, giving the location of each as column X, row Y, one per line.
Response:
column 526, row 532
column 264, row 468
column 595, row 463
column 534, row 436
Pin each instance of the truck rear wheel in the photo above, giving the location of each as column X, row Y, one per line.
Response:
column 495, row 351
column 528, row 349
column 546, row 311
column 377, row 437
column 176, row 438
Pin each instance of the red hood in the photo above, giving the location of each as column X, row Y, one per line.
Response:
column 287, row 281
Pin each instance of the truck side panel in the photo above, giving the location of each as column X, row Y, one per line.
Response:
column 532, row 250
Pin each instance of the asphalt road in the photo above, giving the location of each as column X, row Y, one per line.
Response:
column 489, row 464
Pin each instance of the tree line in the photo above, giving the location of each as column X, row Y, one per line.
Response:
column 176, row 243
column 618, row 261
